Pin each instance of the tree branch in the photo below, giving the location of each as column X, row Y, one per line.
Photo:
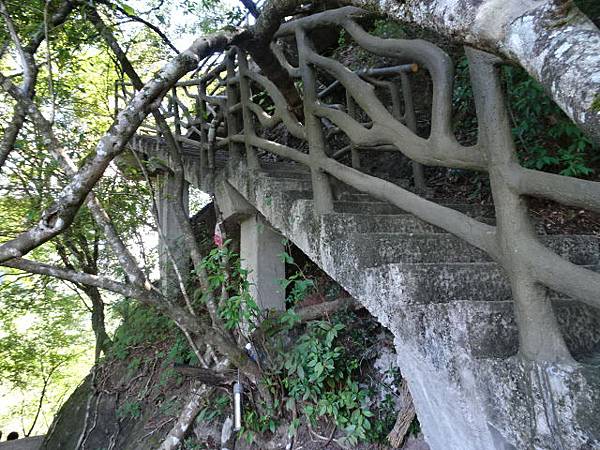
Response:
column 251, row 7
column 135, row 18
column 39, row 268
column 30, row 71
column 61, row 213
column 553, row 40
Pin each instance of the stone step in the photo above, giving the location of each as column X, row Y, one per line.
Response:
column 580, row 325
column 341, row 223
column 306, row 194
column 372, row 249
column 445, row 331
column 404, row 283
column 368, row 208
column 489, row 329
column 443, row 282
column 278, row 173
column 378, row 207
column 285, row 185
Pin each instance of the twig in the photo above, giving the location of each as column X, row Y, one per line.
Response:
column 49, row 63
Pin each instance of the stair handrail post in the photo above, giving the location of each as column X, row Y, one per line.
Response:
column 410, row 119
column 203, row 128
column 351, row 109
column 176, row 116
column 322, row 192
column 234, row 122
column 248, row 121
column 540, row 338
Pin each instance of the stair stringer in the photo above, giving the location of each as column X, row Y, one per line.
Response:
column 463, row 401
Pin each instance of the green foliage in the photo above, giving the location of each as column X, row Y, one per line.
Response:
column 130, row 410
column 546, row 138
column 254, row 422
column 297, row 286
column 389, row 29
column 226, row 274
column 218, row 408
column 45, row 345
column 191, row 444
column 140, row 324
column 596, row 103
column 321, row 379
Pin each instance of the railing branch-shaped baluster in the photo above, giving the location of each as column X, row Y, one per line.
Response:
column 540, row 337
column 236, row 105
column 322, row 193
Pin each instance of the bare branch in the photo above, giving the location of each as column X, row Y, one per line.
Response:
column 186, row 418
column 135, row 18
column 251, row 7
column 44, row 126
column 27, row 62
column 39, row 268
column 13, row 129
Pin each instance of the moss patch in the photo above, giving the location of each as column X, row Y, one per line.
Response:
column 596, row 103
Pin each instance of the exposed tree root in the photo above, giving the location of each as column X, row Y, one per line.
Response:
column 405, row 417
column 186, row 418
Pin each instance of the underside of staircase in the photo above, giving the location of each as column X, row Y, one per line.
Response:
column 449, row 307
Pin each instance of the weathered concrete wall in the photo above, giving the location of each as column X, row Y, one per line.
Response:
column 453, row 324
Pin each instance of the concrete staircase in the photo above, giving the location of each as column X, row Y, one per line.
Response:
column 449, row 307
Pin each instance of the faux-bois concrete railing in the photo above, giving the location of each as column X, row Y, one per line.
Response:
column 232, row 107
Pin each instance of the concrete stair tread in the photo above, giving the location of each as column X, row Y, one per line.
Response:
column 443, row 282
column 489, row 330
column 380, row 223
column 472, row 210
column 385, row 247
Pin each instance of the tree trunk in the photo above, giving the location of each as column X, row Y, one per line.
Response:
column 103, row 342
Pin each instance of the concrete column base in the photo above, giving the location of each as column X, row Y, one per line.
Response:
column 260, row 249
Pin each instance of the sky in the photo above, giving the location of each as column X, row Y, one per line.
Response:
column 178, row 19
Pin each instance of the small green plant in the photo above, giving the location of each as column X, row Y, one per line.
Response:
column 389, row 29
column 190, row 443
column 141, row 324
column 267, row 421
column 217, row 408
column 319, row 377
column 239, row 306
column 297, row 286
column 130, row 409
column 545, row 137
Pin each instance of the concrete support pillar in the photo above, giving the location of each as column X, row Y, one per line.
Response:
column 170, row 245
column 260, row 249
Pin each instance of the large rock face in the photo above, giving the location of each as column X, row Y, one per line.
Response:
column 450, row 310
column 32, row 443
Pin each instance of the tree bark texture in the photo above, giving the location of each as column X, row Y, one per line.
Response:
column 186, row 418
column 552, row 39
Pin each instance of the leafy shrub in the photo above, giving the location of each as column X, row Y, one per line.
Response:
column 545, row 137
column 239, row 307
column 320, row 378
column 130, row 409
